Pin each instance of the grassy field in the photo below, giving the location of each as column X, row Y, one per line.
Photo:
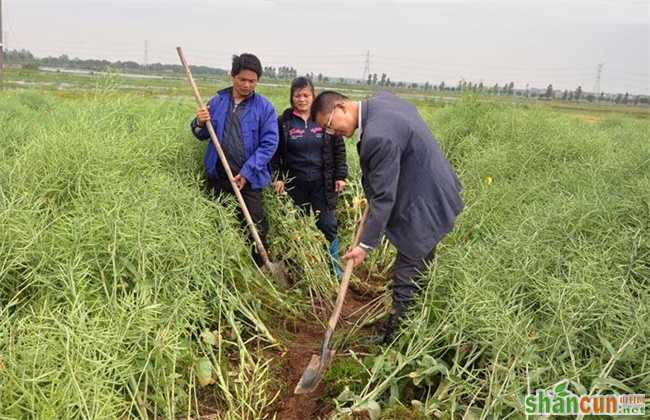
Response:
column 125, row 291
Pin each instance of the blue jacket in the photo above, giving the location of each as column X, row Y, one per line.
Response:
column 259, row 130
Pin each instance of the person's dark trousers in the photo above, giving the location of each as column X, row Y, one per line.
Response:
column 408, row 279
column 253, row 200
column 312, row 194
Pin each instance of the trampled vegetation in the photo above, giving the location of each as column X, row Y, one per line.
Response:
column 125, row 291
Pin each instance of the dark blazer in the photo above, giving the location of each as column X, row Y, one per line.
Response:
column 335, row 167
column 413, row 192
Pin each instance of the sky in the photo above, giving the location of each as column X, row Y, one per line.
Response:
column 528, row 42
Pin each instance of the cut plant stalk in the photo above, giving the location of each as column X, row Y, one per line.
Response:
column 312, row 375
column 277, row 269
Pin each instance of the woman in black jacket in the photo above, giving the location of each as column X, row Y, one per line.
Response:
column 310, row 164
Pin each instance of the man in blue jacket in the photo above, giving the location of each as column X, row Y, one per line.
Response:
column 246, row 125
column 413, row 193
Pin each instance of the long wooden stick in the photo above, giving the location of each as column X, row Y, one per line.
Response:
column 226, row 166
column 349, row 265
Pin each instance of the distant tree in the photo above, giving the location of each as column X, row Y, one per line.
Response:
column 511, row 88
column 601, row 97
column 578, row 93
column 382, row 82
column 369, row 79
column 549, row 91
column 374, row 79
column 590, row 97
column 388, row 82
column 130, row 65
column 626, row 97
column 18, row 57
column 442, row 85
column 636, row 100
column 570, row 96
column 480, row 86
column 495, row 88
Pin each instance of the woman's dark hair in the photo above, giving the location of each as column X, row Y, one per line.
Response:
column 246, row 61
column 300, row 83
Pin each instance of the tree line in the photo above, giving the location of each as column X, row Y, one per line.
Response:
column 508, row 89
column 26, row 58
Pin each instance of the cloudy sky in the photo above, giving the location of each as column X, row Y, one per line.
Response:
column 531, row 42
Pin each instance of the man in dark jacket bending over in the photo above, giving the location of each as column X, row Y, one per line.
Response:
column 413, row 193
column 245, row 123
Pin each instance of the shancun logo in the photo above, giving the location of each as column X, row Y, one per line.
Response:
column 559, row 400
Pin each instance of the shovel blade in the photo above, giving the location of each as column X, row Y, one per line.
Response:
column 312, row 375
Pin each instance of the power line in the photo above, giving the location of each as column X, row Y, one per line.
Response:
column 146, row 55
column 366, row 68
column 597, row 84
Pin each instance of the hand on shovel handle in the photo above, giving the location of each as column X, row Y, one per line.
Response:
column 356, row 254
column 202, row 116
column 240, row 181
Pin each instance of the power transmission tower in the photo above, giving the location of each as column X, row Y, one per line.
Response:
column 146, row 55
column 597, row 84
column 366, row 68
column 2, row 50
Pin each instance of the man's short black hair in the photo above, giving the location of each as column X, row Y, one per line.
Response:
column 246, row 61
column 325, row 102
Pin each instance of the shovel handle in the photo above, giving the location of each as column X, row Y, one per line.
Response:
column 349, row 265
column 222, row 157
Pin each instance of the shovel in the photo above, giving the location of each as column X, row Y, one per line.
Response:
column 277, row 270
column 317, row 365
